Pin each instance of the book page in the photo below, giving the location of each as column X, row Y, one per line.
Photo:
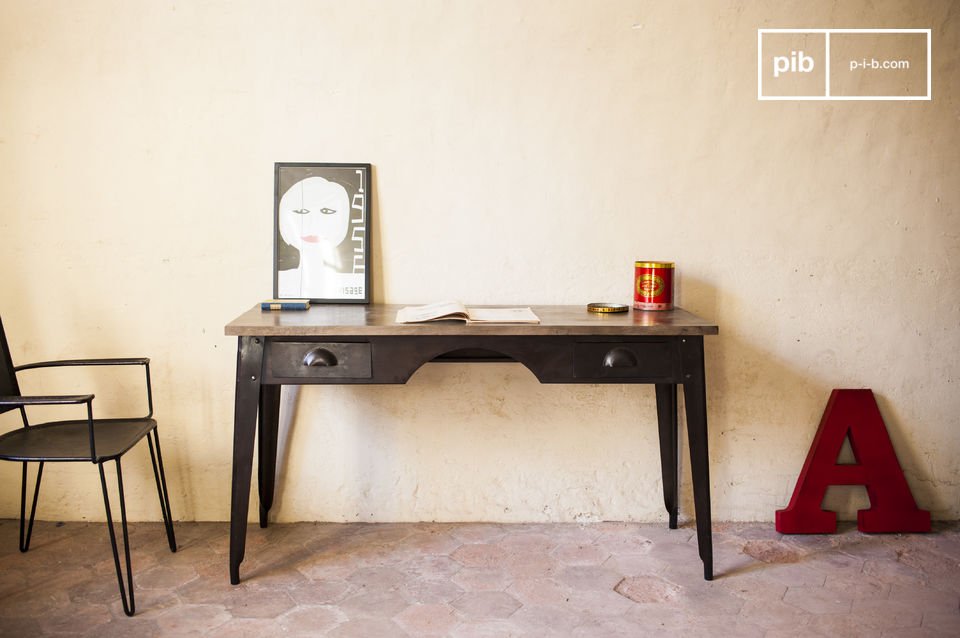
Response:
column 443, row 309
column 502, row 315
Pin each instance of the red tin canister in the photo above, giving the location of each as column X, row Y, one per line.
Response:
column 653, row 285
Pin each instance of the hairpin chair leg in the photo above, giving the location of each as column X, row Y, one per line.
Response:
column 126, row 592
column 25, row 538
column 153, row 438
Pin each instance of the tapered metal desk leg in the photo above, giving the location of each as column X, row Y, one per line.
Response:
column 249, row 362
column 695, row 402
column 667, row 420
column 267, row 448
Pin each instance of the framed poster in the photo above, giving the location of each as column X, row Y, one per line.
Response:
column 321, row 243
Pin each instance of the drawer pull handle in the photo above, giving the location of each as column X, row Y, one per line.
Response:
column 620, row 358
column 319, row 357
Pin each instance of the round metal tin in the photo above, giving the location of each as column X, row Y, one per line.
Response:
column 607, row 307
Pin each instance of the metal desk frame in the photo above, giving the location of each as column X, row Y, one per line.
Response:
column 362, row 344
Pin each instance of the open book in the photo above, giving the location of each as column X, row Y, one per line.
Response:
column 457, row 311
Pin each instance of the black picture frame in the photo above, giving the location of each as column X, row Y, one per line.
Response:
column 321, row 232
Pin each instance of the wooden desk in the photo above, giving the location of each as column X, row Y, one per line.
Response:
column 361, row 344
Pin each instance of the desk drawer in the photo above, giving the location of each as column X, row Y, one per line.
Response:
column 650, row 360
column 321, row 360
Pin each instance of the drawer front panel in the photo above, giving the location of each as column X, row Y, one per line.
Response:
column 647, row 360
column 321, row 360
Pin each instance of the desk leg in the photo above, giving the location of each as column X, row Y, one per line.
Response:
column 695, row 402
column 667, row 420
column 267, row 434
column 249, row 360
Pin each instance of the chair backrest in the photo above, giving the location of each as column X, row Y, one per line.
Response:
column 8, row 378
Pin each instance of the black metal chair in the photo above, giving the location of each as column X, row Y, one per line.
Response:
column 89, row 439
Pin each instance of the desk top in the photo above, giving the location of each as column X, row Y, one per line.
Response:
column 342, row 320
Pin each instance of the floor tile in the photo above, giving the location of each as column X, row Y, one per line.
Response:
column 427, row 620
column 483, row 605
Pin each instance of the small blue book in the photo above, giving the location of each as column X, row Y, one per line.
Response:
column 285, row 304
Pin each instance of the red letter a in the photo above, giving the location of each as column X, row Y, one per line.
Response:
column 853, row 413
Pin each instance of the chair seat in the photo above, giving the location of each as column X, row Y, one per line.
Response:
column 70, row 440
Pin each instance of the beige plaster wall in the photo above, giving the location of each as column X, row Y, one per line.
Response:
column 524, row 152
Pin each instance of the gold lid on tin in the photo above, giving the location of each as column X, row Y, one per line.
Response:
column 653, row 264
column 607, row 307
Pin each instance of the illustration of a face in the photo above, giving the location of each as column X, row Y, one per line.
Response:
column 314, row 213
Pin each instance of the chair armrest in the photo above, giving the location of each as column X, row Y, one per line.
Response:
column 66, row 399
column 85, row 362
column 125, row 361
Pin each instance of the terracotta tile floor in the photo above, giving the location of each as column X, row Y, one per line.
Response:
column 477, row 579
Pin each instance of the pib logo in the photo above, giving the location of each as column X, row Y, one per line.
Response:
column 791, row 64
column 844, row 64
column 797, row 62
